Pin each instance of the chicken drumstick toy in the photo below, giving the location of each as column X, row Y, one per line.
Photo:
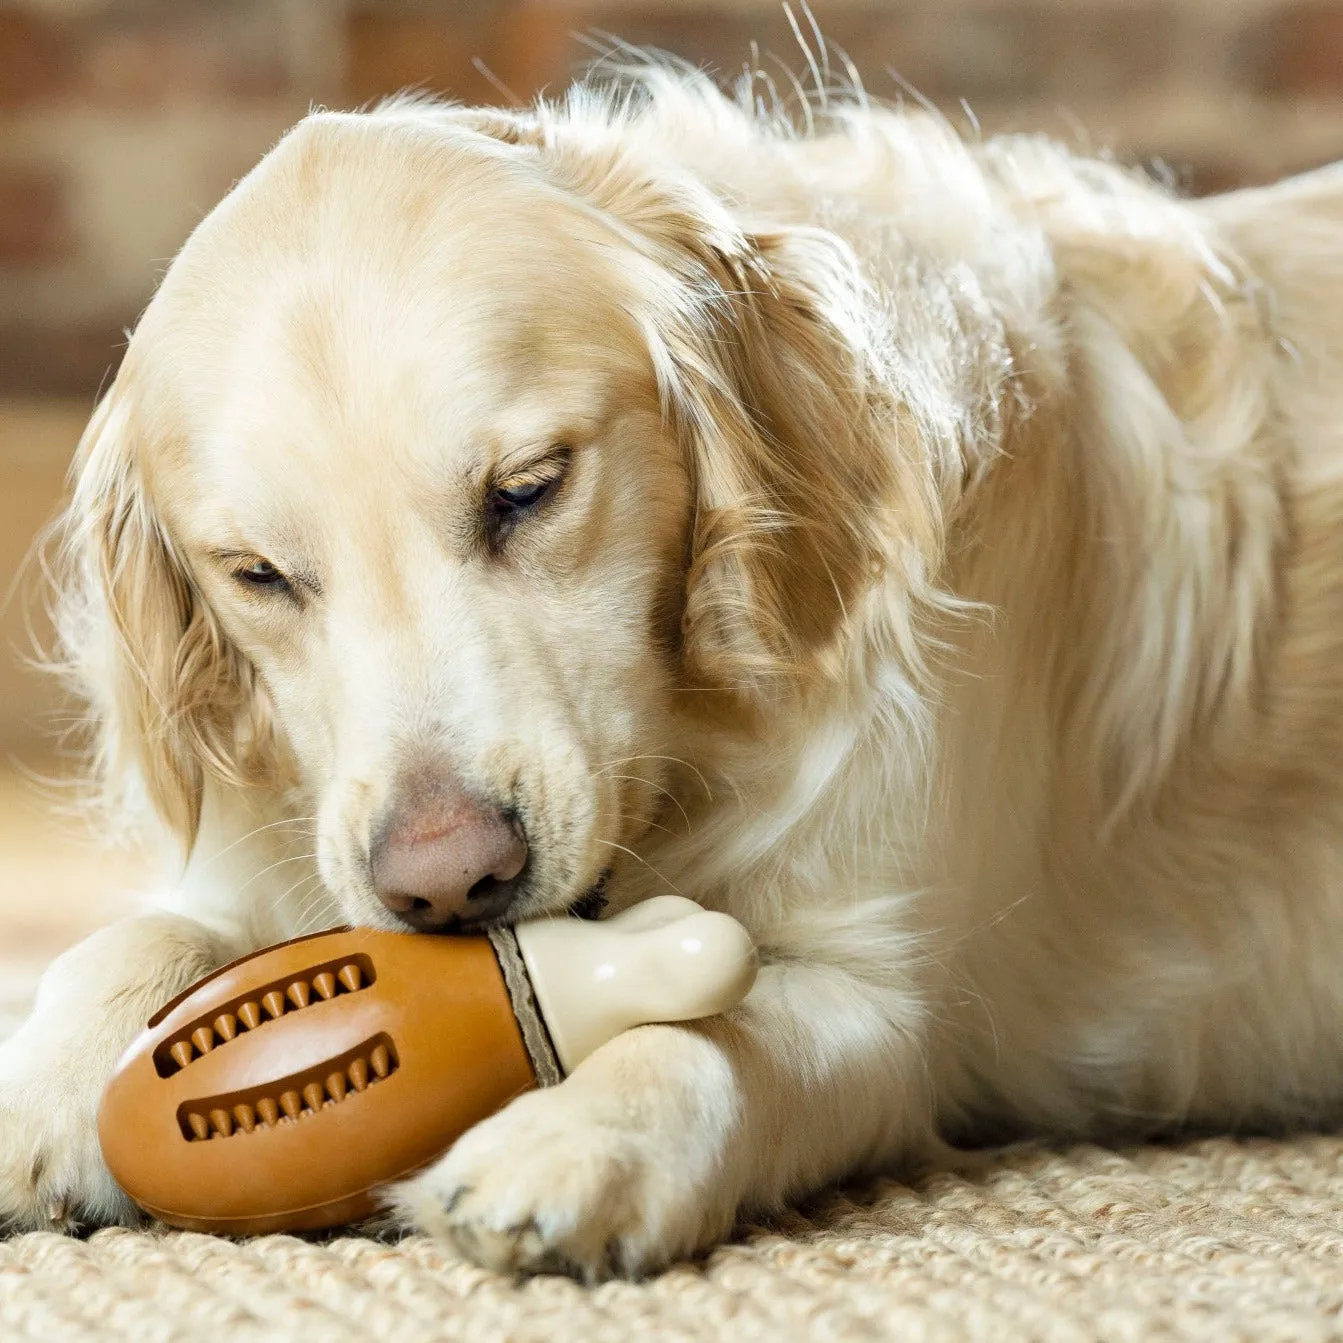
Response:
column 279, row 1093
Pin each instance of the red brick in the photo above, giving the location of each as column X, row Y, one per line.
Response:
column 34, row 225
column 427, row 48
column 1074, row 53
column 1297, row 49
column 142, row 55
column 547, row 43
column 1210, row 177
column 59, row 359
column 1070, row 54
column 1030, row 50
column 534, row 49
column 159, row 53
column 35, row 58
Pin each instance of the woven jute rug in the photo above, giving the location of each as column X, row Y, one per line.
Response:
column 1209, row 1240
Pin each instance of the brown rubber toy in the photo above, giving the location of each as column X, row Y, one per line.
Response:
column 282, row 1091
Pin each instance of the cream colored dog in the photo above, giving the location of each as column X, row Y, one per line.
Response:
column 930, row 553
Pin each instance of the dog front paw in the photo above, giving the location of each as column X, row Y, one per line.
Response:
column 52, row 1175
column 560, row 1183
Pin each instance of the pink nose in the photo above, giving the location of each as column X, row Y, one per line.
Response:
column 444, row 857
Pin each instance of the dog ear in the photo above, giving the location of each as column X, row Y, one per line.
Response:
column 172, row 700
column 768, row 371
column 766, row 374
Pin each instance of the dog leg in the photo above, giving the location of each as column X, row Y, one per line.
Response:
column 653, row 1145
column 92, row 1002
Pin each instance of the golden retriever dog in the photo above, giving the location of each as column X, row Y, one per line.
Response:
column 929, row 552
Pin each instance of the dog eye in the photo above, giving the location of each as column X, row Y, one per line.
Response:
column 522, row 495
column 516, row 497
column 261, row 574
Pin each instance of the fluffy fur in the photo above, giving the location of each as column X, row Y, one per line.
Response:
column 946, row 579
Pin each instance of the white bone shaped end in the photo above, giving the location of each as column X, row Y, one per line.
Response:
column 663, row 960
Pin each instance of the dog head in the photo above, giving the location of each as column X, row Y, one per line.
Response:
column 461, row 464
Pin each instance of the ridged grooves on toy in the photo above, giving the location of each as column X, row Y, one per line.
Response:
column 290, row 1099
column 250, row 1011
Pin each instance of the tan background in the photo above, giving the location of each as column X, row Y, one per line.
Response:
column 122, row 121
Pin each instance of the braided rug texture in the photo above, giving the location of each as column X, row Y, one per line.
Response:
column 1215, row 1239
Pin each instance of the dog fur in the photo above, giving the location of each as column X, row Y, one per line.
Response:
column 943, row 574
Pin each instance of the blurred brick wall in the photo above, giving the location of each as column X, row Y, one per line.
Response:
column 121, row 121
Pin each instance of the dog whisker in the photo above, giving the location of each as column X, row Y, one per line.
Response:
column 291, row 822
column 646, row 822
column 279, row 862
column 673, row 759
column 638, row 858
column 666, row 792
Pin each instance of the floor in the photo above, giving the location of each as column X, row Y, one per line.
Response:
column 1216, row 1240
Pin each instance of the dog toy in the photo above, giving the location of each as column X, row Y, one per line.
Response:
column 282, row 1091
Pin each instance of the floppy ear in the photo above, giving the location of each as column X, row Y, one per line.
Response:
column 769, row 372
column 171, row 699
column 766, row 371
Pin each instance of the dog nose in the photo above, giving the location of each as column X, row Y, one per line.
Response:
column 443, row 857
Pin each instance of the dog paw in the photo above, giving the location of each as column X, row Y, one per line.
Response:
column 556, row 1183
column 52, row 1176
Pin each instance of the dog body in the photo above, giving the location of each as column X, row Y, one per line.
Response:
column 930, row 553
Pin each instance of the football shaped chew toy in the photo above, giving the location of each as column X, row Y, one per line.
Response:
column 279, row 1093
